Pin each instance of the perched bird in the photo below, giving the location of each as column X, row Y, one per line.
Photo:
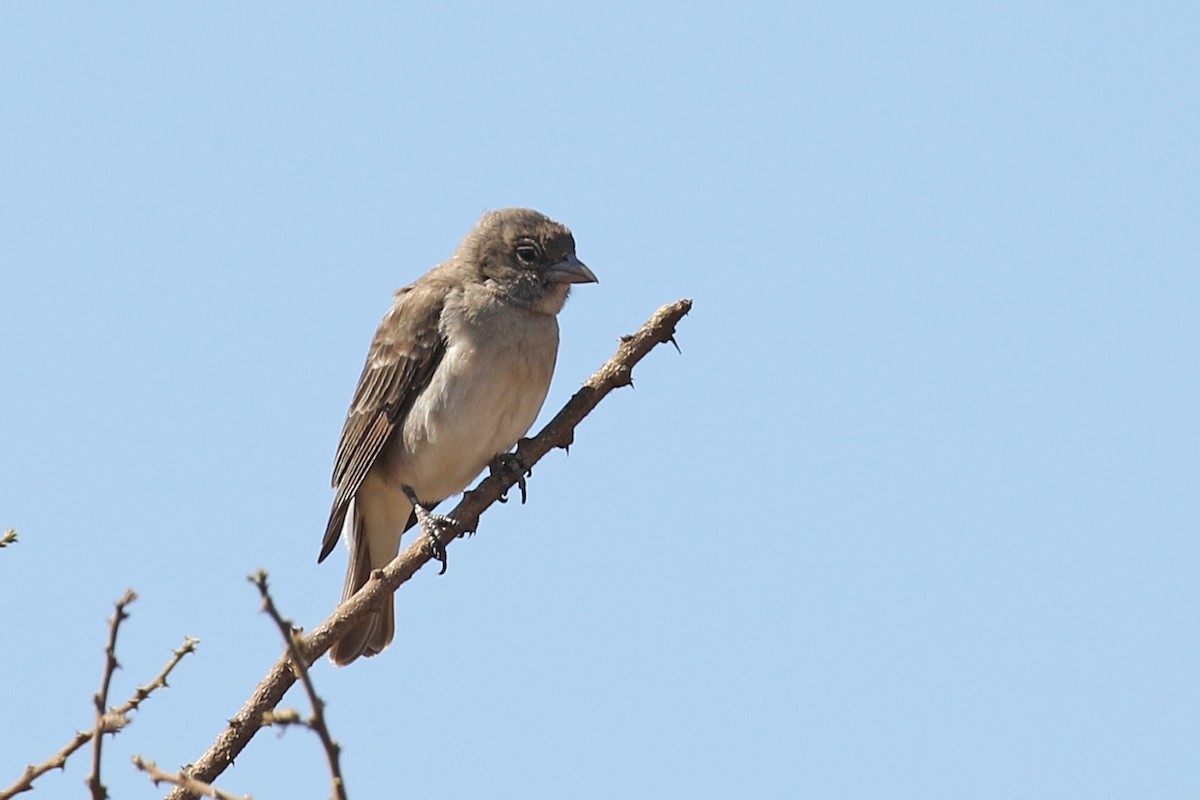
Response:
column 456, row 374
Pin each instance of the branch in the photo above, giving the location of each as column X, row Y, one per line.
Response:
column 115, row 720
column 56, row 761
column 121, row 712
column 300, row 665
column 559, row 432
column 9, row 537
column 183, row 781
column 101, row 697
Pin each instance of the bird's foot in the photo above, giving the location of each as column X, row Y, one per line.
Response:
column 510, row 467
column 437, row 528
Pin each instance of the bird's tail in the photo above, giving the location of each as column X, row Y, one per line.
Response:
column 375, row 632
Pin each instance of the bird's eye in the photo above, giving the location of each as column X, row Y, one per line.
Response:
column 527, row 253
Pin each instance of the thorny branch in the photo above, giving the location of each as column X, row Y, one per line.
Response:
column 101, row 697
column 559, row 432
column 317, row 723
column 116, row 719
column 120, row 713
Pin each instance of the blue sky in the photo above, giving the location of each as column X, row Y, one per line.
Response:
column 913, row 515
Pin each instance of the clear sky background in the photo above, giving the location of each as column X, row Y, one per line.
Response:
column 914, row 515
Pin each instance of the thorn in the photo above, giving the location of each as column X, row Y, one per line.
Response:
column 671, row 339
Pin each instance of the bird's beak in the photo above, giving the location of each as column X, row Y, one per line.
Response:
column 571, row 270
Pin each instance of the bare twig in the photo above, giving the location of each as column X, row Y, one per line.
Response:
column 56, row 761
column 283, row 717
column 559, row 432
column 300, row 664
column 159, row 682
column 9, row 537
column 115, row 720
column 192, row 785
column 101, row 697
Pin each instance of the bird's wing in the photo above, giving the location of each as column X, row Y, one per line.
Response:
column 403, row 356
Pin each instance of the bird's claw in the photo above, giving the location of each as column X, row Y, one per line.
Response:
column 435, row 527
column 509, row 466
column 434, row 547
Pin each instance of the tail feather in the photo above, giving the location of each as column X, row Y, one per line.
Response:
column 368, row 638
column 375, row 632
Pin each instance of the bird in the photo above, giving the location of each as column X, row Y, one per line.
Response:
column 455, row 375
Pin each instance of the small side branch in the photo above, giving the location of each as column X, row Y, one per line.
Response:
column 300, row 665
column 121, row 712
column 56, row 761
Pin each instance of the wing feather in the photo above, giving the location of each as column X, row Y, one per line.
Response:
column 404, row 354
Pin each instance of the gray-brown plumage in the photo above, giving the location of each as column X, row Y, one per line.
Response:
column 456, row 374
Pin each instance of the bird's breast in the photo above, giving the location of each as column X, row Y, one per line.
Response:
column 484, row 395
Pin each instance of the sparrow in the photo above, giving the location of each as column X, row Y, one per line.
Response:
column 455, row 376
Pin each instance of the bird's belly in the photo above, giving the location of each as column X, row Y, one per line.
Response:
column 481, row 400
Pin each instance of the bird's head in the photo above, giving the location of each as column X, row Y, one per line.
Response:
column 526, row 257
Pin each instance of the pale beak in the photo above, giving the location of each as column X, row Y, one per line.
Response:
column 571, row 270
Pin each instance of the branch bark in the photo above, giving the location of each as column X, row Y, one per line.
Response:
column 559, row 432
